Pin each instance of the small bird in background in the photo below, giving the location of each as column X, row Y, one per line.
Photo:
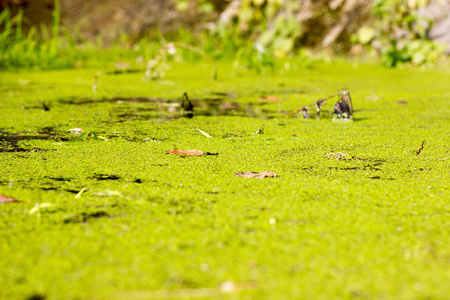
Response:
column 343, row 109
column 345, row 97
column 187, row 107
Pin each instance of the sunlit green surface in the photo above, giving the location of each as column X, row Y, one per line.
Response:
column 375, row 226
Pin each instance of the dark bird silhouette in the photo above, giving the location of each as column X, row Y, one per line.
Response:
column 186, row 105
column 343, row 109
column 345, row 97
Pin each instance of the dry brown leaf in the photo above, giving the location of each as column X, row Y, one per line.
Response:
column 270, row 99
column 6, row 199
column 256, row 175
column 191, row 152
column 336, row 156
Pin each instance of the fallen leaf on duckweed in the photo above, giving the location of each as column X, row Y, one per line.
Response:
column 6, row 199
column 401, row 102
column 336, row 156
column 270, row 99
column 256, row 175
column 191, row 152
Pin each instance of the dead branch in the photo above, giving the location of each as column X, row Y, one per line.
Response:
column 421, row 147
column 318, row 104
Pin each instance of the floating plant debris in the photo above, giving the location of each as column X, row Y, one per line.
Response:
column 6, row 199
column 181, row 152
column 259, row 175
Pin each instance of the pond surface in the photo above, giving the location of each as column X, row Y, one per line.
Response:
column 354, row 211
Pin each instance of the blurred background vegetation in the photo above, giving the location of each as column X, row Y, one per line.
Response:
column 255, row 34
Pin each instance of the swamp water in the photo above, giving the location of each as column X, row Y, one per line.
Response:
column 354, row 211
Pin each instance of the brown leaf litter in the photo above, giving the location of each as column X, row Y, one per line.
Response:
column 270, row 98
column 191, row 152
column 256, row 175
column 6, row 199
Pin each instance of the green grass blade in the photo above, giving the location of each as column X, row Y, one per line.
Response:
column 80, row 193
column 204, row 133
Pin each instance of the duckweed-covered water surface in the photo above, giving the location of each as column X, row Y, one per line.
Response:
column 354, row 212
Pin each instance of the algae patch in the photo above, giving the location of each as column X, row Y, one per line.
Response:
column 142, row 108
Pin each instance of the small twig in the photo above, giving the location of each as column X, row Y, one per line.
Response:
column 292, row 112
column 421, row 147
column 299, row 110
column 309, row 105
column 331, row 96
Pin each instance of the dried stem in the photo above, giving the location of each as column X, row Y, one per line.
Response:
column 421, row 147
column 309, row 105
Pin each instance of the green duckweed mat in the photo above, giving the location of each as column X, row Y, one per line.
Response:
column 117, row 217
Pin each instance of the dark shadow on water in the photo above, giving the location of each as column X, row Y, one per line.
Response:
column 10, row 142
column 123, row 109
column 85, row 216
column 13, row 142
column 124, row 71
column 36, row 297
column 106, row 177
column 117, row 100
column 384, row 178
column 58, row 178
column 143, row 108
column 52, row 188
column 360, row 119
